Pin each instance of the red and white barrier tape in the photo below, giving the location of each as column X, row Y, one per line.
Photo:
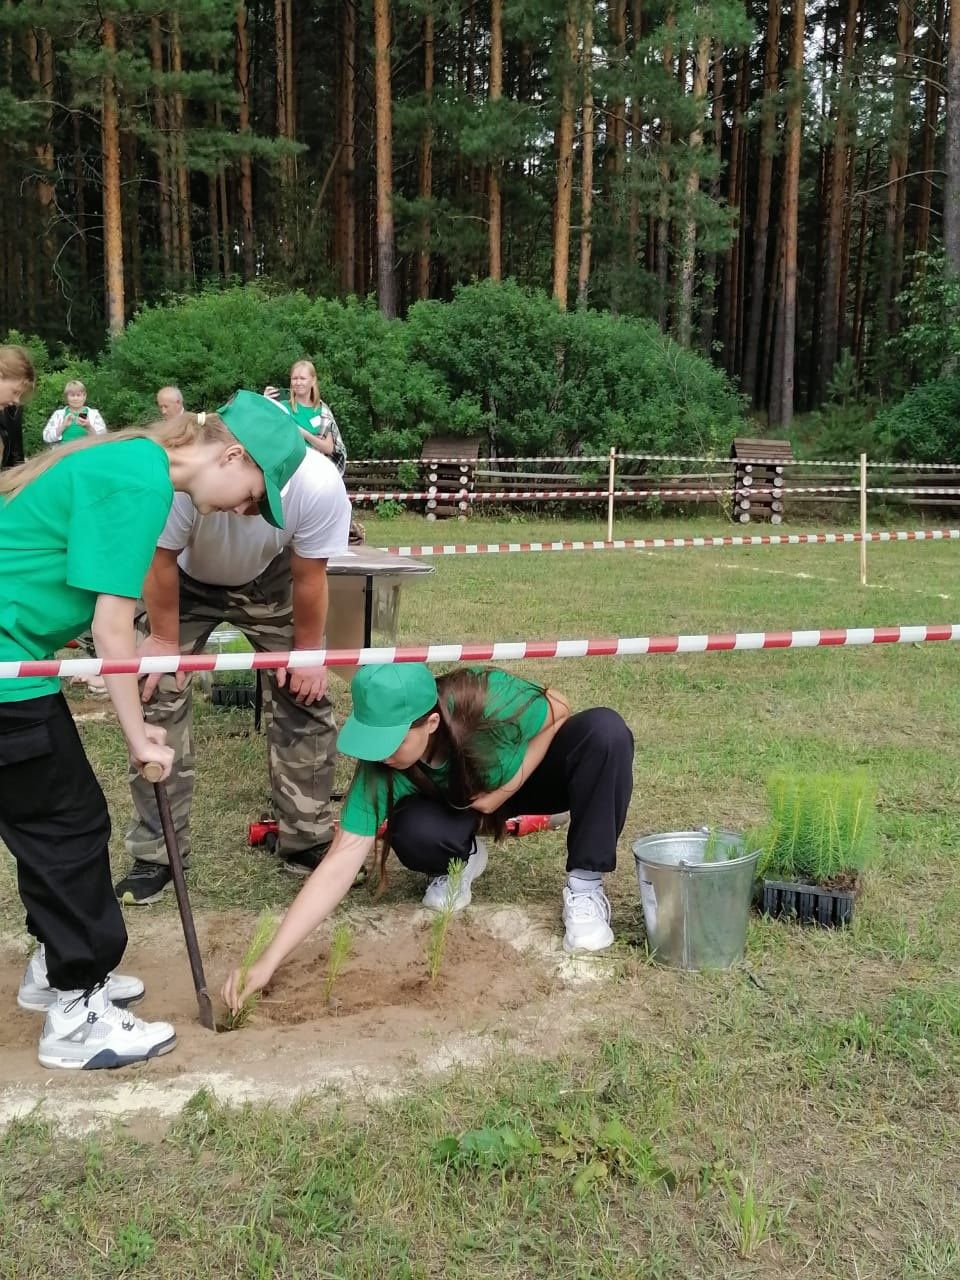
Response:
column 661, row 544
column 555, row 495
column 497, row 651
column 664, row 457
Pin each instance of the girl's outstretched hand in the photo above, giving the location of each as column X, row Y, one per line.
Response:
column 234, row 995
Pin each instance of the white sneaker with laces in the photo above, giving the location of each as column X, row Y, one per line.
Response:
column 36, row 994
column 435, row 898
column 84, row 1032
column 586, row 918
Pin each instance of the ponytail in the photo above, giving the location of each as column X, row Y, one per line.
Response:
column 170, row 433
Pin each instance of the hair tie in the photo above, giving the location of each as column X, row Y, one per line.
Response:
column 201, row 419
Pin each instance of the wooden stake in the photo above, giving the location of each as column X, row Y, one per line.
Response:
column 610, row 484
column 863, row 519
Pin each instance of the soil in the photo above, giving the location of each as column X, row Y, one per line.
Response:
column 504, row 979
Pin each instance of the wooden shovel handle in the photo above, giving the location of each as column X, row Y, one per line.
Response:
column 152, row 771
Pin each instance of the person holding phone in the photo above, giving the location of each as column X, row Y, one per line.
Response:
column 76, row 420
column 312, row 416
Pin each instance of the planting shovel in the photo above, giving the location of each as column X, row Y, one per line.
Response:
column 153, row 772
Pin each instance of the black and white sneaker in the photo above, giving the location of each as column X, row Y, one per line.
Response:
column 84, row 1031
column 37, row 995
column 145, row 883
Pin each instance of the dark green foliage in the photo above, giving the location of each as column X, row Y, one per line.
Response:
column 498, row 360
column 925, row 425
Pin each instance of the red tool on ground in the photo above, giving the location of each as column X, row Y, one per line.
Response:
column 265, row 831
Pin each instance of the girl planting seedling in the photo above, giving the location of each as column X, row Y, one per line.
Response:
column 78, row 529
column 443, row 760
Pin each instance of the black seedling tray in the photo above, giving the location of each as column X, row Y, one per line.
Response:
column 808, row 903
column 233, row 695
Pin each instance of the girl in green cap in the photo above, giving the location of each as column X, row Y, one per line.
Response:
column 440, row 761
column 78, row 529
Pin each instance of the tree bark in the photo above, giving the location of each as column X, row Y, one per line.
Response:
column 833, row 303
column 782, row 397
column 386, row 278
column 179, row 145
column 860, row 284
column 586, row 197
column 663, row 204
column 246, row 162
column 688, row 260
column 710, row 259
column 730, row 292
column 347, row 198
column 112, row 218
column 494, row 201
column 758, row 270
column 895, row 191
column 931, row 115
column 564, row 150
column 40, row 56
column 161, row 122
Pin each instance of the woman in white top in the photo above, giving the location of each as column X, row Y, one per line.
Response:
column 75, row 420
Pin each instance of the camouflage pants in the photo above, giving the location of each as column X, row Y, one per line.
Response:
column 301, row 740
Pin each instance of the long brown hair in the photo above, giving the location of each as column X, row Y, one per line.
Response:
column 314, row 400
column 15, row 362
column 468, row 740
column 169, row 433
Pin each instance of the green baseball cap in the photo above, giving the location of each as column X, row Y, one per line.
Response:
column 387, row 698
column 273, row 440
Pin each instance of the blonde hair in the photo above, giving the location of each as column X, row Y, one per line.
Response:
column 15, row 363
column 170, row 433
column 74, row 385
column 315, row 388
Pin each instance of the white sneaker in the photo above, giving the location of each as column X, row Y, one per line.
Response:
column 84, row 1031
column 37, row 995
column 586, row 917
column 435, row 898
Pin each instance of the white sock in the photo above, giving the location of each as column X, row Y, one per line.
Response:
column 584, row 881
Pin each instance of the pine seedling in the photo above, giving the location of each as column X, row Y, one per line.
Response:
column 821, row 825
column 441, row 922
column 266, row 927
column 340, row 944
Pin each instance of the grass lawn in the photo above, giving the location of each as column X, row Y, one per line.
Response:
column 798, row 1117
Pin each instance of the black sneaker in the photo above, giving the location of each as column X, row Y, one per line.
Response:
column 302, row 862
column 145, row 883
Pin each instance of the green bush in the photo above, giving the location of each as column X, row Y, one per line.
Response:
column 925, row 425
column 497, row 360
column 821, row 826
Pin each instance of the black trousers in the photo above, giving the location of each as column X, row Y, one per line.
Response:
column 54, row 820
column 588, row 769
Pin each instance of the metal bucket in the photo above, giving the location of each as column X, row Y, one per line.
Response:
column 696, row 912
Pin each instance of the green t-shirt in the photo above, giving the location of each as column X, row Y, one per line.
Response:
column 87, row 526
column 365, row 805
column 319, row 420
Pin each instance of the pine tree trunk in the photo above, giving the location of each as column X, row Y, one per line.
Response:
column 758, row 270
column 710, row 259
column 347, row 199
column 636, row 121
column 860, row 284
column 161, row 120
column 112, row 219
column 730, row 292
column 425, row 174
column 782, row 391
column 130, row 194
column 564, row 151
column 616, row 137
column 493, row 177
column 833, row 302
column 40, row 57
column 688, row 258
column 891, row 266
column 931, row 116
column 184, row 236
column 246, row 163
column 586, row 199
column 663, row 209
column 80, row 209
column 386, row 278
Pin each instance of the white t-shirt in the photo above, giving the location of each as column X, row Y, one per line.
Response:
column 227, row 550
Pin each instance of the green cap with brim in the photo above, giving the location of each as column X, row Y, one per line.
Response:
column 387, row 698
column 273, row 440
